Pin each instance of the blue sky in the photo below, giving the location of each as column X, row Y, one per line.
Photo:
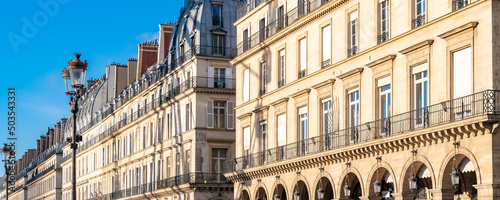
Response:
column 38, row 38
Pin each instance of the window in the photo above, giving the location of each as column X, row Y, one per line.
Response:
column 302, row 57
column 169, row 126
column 217, row 15
column 420, row 95
column 303, row 7
column 354, row 116
column 384, row 21
column 263, row 134
column 169, row 169
column 281, row 62
column 177, row 164
column 246, row 143
column 219, row 114
column 419, row 18
column 188, row 116
column 353, row 34
column 218, row 45
column 326, row 45
column 384, row 89
column 143, row 137
column 246, row 41
column 219, row 157
column 327, row 116
column 281, row 134
column 246, row 85
column 280, row 12
column 151, row 134
column 462, row 82
column 262, row 29
column 219, row 77
column 458, row 4
column 182, row 52
column 188, row 161
column 303, row 129
column 263, row 80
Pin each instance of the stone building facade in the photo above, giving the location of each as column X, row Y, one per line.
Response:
column 335, row 97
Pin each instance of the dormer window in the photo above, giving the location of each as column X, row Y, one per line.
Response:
column 217, row 15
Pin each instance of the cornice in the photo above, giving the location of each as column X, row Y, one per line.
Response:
column 324, row 83
column 417, row 46
column 300, row 93
column 243, row 116
column 284, row 99
column 263, row 108
column 381, row 60
column 350, row 73
column 459, row 29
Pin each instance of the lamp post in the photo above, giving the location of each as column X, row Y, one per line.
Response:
column 6, row 153
column 74, row 78
column 321, row 191
column 347, row 189
column 455, row 178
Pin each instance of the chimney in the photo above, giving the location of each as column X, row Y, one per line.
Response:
column 148, row 52
column 38, row 147
column 131, row 70
column 164, row 43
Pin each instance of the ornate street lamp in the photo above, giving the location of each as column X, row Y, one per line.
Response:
column 412, row 181
column 455, row 178
column 74, row 78
column 347, row 189
column 276, row 197
column 6, row 157
column 377, row 186
column 296, row 194
column 320, row 191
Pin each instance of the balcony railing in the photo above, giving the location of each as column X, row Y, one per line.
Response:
column 40, row 174
column 302, row 73
column 325, row 63
column 383, row 37
column 247, row 7
column 352, row 51
column 275, row 26
column 458, row 4
column 478, row 104
column 190, row 178
column 419, row 21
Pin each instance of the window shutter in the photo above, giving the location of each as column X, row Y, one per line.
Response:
column 210, row 77
column 230, row 115
column 210, row 114
column 229, row 78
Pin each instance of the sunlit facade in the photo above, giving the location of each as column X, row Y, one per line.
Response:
column 376, row 99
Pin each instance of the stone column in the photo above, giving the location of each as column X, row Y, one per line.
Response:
column 403, row 196
column 488, row 191
column 442, row 194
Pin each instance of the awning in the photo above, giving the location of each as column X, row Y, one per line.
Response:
column 388, row 178
column 423, row 172
column 466, row 166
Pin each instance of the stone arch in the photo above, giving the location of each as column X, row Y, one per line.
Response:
column 326, row 175
column 373, row 171
column 465, row 152
column 300, row 179
column 260, row 185
column 341, row 180
column 243, row 189
column 278, row 183
column 403, row 179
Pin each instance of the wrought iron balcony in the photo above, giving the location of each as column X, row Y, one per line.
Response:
column 281, row 83
column 458, row 4
column 352, row 51
column 191, row 178
column 383, row 37
column 275, row 26
column 302, row 73
column 419, row 21
column 478, row 104
column 325, row 63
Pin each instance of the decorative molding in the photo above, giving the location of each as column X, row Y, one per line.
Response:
column 324, row 83
column 243, row 116
column 459, row 29
column 263, row 108
column 381, row 60
column 285, row 99
column 300, row 93
column 417, row 46
column 350, row 73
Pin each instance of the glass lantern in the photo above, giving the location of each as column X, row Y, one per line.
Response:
column 455, row 178
column 347, row 190
column 321, row 193
column 276, row 197
column 377, row 187
column 296, row 195
column 412, row 182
